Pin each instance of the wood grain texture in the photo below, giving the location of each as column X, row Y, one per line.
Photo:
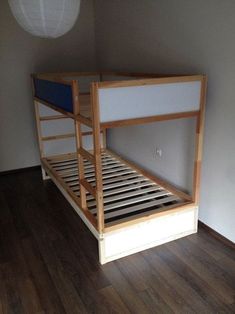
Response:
column 150, row 81
column 49, row 263
column 97, row 156
column 151, row 119
column 79, row 143
column 199, row 142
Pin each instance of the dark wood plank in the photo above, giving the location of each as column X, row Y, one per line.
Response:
column 217, row 286
column 45, row 286
column 10, row 296
column 154, row 302
column 124, row 289
column 49, row 262
column 113, row 300
column 141, row 273
column 186, row 270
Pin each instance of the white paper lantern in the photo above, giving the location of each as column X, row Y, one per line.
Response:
column 46, row 18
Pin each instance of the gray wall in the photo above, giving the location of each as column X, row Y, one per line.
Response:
column 22, row 54
column 162, row 36
column 186, row 36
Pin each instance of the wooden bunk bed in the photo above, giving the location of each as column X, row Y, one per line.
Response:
column 126, row 208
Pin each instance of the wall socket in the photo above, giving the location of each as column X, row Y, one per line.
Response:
column 158, row 152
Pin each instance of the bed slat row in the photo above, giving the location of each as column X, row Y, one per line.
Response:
column 126, row 192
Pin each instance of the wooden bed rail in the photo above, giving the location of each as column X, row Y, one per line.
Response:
column 63, row 75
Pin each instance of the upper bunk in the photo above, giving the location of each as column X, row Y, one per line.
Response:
column 119, row 99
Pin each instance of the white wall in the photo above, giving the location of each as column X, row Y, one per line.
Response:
column 168, row 36
column 20, row 55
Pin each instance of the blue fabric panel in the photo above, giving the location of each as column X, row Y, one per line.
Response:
column 57, row 94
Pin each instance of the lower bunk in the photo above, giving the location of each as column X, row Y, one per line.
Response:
column 140, row 211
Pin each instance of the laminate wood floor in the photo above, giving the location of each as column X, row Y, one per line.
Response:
column 49, row 263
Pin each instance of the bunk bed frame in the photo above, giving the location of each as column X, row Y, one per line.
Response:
column 126, row 208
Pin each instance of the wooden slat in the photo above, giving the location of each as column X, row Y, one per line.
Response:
column 64, row 166
column 114, row 170
column 149, row 81
column 119, row 180
column 105, row 163
column 133, row 200
column 151, row 119
column 53, row 117
column 118, row 174
column 89, row 173
column 111, row 168
column 127, row 187
column 122, row 178
column 122, row 196
column 58, row 137
column 107, row 157
column 113, row 186
column 72, row 169
column 56, row 163
column 136, row 209
column 128, row 171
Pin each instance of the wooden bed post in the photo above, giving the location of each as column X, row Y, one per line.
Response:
column 97, row 155
column 199, row 142
column 38, row 122
column 78, row 133
column 39, row 131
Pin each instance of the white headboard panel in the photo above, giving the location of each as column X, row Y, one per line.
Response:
column 120, row 103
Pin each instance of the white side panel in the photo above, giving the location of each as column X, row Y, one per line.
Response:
column 122, row 103
column 147, row 234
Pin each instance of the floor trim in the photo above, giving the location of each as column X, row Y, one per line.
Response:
column 19, row 170
column 216, row 235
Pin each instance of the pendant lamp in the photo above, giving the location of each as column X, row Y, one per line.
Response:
column 46, row 18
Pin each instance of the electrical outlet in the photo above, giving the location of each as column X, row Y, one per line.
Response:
column 158, row 152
